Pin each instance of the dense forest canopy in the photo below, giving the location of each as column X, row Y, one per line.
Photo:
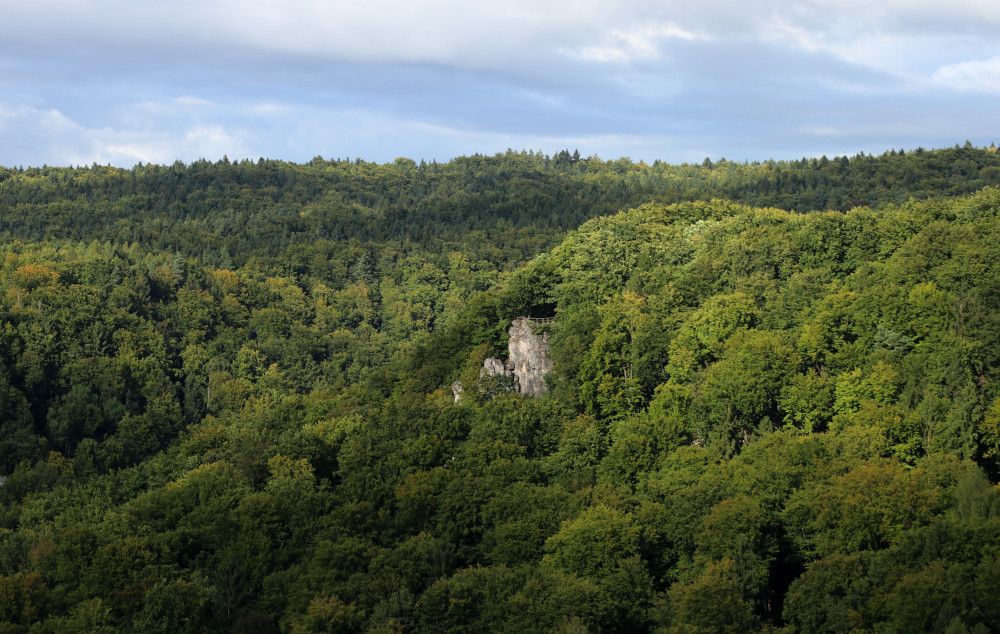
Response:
column 232, row 213
column 224, row 398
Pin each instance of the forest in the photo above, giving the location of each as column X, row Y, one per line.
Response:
column 225, row 398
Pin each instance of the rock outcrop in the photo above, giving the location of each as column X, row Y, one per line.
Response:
column 529, row 354
column 494, row 366
column 528, row 361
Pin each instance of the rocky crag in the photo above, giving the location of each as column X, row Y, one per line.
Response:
column 528, row 359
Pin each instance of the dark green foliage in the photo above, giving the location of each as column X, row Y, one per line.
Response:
column 225, row 403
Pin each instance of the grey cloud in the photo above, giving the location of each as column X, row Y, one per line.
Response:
column 431, row 79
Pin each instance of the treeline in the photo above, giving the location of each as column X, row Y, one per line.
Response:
column 418, row 240
column 759, row 420
column 234, row 213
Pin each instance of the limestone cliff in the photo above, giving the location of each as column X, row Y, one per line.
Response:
column 524, row 369
column 529, row 356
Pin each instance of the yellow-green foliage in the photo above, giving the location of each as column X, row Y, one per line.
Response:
column 225, row 405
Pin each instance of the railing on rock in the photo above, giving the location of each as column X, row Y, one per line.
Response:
column 541, row 321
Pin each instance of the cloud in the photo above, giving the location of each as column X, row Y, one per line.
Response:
column 978, row 75
column 46, row 135
column 128, row 80
column 524, row 38
column 637, row 43
column 903, row 54
column 479, row 34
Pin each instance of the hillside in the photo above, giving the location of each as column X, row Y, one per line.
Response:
column 282, row 216
column 226, row 400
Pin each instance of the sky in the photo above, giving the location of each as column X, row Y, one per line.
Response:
column 127, row 81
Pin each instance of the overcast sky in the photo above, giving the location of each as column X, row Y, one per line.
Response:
column 124, row 81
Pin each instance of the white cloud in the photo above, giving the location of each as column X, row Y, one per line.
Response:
column 84, row 80
column 46, row 135
column 865, row 43
column 907, row 38
column 637, row 43
column 9, row 112
column 978, row 75
column 433, row 31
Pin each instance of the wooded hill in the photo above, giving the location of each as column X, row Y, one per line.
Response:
column 224, row 398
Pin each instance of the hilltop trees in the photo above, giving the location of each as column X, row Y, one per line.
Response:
column 758, row 418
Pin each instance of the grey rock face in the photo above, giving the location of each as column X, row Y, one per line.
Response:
column 494, row 366
column 529, row 356
column 456, row 390
column 523, row 371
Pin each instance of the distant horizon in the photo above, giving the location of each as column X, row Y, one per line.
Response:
column 546, row 155
column 126, row 81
